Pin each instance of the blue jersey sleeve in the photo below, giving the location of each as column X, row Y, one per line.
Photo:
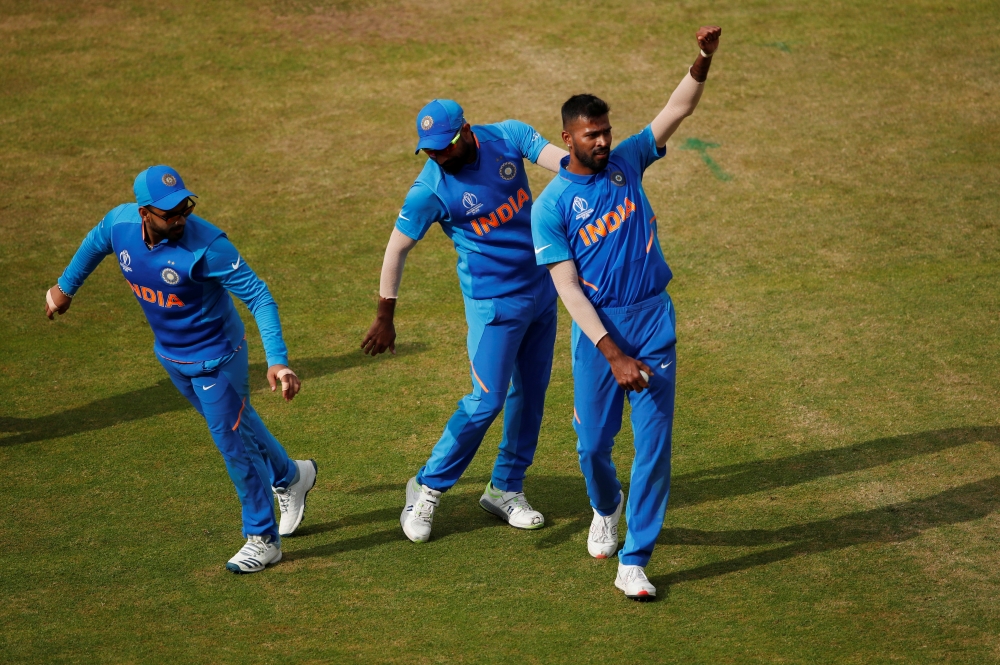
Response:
column 420, row 210
column 524, row 136
column 92, row 251
column 548, row 231
column 640, row 150
column 222, row 262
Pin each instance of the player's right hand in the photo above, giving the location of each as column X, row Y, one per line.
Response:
column 381, row 336
column 708, row 38
column 56, row 302
column 625, row 368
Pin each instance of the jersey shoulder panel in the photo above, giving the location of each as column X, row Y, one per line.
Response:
column 199, row 234
column 126, row 213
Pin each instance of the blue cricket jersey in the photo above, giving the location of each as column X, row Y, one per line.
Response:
column 182, row 286
column 605, row 224
column 485, row 209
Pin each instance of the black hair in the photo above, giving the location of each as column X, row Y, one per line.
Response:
column 583, row 106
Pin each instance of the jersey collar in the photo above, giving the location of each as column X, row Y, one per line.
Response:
column 574, row 177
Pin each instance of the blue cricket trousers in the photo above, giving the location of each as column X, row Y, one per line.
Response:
column 510, row 343
column 646, row 332
column 219, row 390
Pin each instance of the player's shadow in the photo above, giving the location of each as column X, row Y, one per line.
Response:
column 690, row 489
column 160, row 398
column 889, row 524
column 459, row 513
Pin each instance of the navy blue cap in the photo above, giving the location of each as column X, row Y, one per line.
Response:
column 437, row 124
column 161, row 187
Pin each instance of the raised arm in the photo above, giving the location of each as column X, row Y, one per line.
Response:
column 685, row 97
column 626, row 369
column 381, row 334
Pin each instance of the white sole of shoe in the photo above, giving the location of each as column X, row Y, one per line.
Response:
column 234, row 568
column 486, row 505
column 302, row 513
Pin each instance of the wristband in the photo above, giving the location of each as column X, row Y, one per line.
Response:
column 61, row 291
column 705, row 55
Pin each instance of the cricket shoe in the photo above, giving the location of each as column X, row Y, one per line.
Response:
column 292, row 499
column 602, row 543
column 633, row 581
column 511, row 507
column 417, row 517
column 257, row 554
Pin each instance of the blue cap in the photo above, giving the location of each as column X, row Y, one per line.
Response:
column 161, row 187
column 437, row 124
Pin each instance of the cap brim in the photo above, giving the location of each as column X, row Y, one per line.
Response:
column 438, row 142
column 173, row 199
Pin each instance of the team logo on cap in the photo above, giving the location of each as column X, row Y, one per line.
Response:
column 169, row 180
column 170, row 276
column 426, row 122
column 508, row 170
column 617, row 178
column 125, row 261
column 582, row 208
column 471, row 203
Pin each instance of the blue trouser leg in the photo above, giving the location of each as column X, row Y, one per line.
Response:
column 525, row 405
column 497, row 328
column 646, row 332
column 221, row 396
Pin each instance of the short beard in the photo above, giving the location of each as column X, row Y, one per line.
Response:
column 589, row 161
column 453, row 165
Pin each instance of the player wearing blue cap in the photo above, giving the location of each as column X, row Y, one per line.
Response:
column 595, row 230
column 182, row 270
column 475, row 187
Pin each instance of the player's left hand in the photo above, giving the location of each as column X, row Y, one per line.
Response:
column 708, row 38
column 290, row 384
column 56, row 302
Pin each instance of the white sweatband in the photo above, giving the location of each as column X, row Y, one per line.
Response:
column 706, row 55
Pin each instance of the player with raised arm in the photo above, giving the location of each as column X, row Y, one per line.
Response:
column 182, row 270
column 595, row 230
column 475, row 187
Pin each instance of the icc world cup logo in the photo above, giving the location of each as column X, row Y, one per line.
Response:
column 125, row 260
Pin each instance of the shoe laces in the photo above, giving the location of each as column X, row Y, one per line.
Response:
column 520, row 503
column 255, row 546
column 635, row 574
column 423, row 509
column 284, row 498
column 604, row 529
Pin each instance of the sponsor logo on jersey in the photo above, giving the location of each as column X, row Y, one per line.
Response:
column 156, row 297
column 471, row 203
column 617, row 178
column 582, row 208
column 124, row 260
column 170, row 276
column 426, row 122
column 169, row 180
column 501, row 215
column 508, row 170
column 608, row 223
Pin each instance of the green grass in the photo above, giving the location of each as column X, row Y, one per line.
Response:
column 836, row 486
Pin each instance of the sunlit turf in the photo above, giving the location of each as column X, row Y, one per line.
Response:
column 831, row 216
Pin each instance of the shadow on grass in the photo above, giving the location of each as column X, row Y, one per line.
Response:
column 158, row 399
column 890, row 524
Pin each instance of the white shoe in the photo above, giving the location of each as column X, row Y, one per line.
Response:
column 292, row 499
column 511, row 507
column 602, row 543
column 418, row 514
column 633, row 581
column 253, row 557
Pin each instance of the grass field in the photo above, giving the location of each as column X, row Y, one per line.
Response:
column 836, row 484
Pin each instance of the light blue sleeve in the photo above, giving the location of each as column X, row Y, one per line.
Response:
column 548, row 231
column 420, row 210
column 92, row 251
column 640, row 150
column 223, row 263
column 524, row 136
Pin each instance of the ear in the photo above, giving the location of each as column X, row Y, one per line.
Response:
column 567, row 138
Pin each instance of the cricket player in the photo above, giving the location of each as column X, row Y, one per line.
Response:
column 182, row 270
column 475, row 187
column 595, row 230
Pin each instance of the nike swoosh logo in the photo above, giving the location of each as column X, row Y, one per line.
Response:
column 237, row 264
column 541, row 249
column 406, row 218
column 207, row 387
column 667, row 365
